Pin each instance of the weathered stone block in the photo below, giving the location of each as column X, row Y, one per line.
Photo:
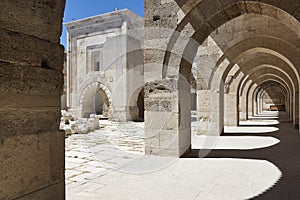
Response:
column 28, row 50
column 30, row 80
column 57, row 155
column 151, row 105
column 168, row 139
column 40, row 18
column 153, row 141
column 55, row 191
column 172, row 152
column 172, row 120
column 154, row 56
column 27, row 121
column 16, row 100
column 30, row 163
column 31, row 149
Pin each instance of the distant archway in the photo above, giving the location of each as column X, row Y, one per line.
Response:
column 95, row 99
column 136, row 105
column 140, row 103
column 101, row 105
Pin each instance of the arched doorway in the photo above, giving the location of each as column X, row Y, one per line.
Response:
column 101, row 105
column 141, row 106
column 95, row 99
column 136, row 106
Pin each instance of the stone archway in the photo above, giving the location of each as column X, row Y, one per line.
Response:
column 177, row 40
column 136, row 105
column 274, row 98
column 141, row 104
column 102, row 104
column 89, row 100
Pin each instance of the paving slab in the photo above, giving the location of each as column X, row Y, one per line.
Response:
column 244, row 164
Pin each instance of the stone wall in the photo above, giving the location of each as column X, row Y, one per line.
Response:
column 31, row 82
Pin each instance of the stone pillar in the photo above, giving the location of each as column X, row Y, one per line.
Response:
column 255, row 107
column 203, row 112
column 296, row 112
column 167, row 118
column 249, row 105
column 292, row 107
column 119, row 101
column 242, row 108
column 31, row 83
column 209, row 115
column 287, row 106
column 185, row 107
column 260, row 104
column 231, row 112
column 256, row 104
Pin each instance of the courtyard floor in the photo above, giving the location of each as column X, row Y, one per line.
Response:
column 257, row 159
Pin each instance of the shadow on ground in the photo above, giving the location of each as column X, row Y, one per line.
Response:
column 285, row 155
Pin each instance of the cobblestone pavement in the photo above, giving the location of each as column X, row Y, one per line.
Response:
column 101, row 150
column 110, row 164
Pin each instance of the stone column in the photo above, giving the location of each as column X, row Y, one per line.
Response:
column 260, row 103
column 167, row 118
column 287, row 105
column 31, row 83
column 255, row 107
column 209, row 113
column 296, row 112
column 242, row 107
column 231, row 112
column 291, row 107
column 249, row 105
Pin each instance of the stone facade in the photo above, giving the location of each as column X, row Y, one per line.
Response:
column 105, row 66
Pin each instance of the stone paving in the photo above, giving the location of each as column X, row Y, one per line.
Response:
column 109, row 163
column 106, row 148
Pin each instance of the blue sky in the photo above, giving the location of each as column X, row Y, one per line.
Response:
column 78, row 9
